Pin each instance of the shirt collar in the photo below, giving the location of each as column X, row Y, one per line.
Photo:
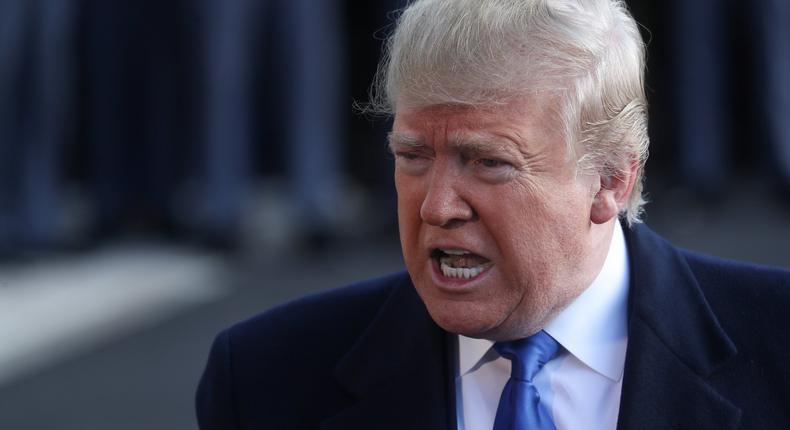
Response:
column 593, row 328
column 471, row 352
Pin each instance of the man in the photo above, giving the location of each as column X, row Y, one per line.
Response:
column 533, row 298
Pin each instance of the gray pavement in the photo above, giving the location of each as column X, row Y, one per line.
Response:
column 146, row 379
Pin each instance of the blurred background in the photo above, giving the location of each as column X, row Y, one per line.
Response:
column 170, row 167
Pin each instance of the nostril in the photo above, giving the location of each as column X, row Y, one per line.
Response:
column 454, row 217
column 453, row 223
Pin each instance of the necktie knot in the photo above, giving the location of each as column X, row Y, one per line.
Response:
column 528, row 355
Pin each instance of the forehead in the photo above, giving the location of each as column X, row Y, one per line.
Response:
column 521, row 123
column 461, row 116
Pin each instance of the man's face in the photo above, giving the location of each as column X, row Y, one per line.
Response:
column 494, row 220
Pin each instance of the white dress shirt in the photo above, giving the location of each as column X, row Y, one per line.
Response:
column 581, row 387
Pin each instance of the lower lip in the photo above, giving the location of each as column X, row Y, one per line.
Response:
column 455, row 285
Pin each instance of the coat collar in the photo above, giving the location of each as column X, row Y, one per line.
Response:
column 400, row 371
column 675, row 343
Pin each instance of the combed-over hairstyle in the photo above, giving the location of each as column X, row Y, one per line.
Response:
column 586, row 56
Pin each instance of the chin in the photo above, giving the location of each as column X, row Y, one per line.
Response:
column 482, row 320
column 463, row 318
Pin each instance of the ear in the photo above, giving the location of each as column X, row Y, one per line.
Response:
column 613, row 194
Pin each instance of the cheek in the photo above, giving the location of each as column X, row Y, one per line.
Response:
column 409, row 203
column 515, row 213
column 530, row 230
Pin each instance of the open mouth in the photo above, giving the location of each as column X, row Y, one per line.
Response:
column 460, row 263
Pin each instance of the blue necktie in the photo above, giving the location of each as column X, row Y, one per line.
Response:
column 519, row 406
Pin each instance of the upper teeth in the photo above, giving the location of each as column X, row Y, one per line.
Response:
column 455, row 251
column 454, row 256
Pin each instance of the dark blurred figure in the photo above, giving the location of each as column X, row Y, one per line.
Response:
column 130, row 88
column 36, row 101
column 730, row 80
column 307, row 63
column 369, row 23
column 770, row 23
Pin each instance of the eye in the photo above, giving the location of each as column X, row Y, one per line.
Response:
column 412, row 162
column 408, row 155
column 489, row 162
column 493, row 170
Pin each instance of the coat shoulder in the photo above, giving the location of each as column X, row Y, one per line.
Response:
column 738, row 280
column 752, row 304
column 348, row 308
column 749, row 299
column 267, row 368
column 324, row 324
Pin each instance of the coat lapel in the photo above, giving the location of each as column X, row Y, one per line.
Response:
column 398, row 371
column 675, row 344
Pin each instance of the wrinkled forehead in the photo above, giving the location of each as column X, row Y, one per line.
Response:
column 516, row 107
column 530, row 112
column 522, row 126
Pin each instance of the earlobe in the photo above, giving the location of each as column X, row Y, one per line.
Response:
column 604, row 205
column 612, row 195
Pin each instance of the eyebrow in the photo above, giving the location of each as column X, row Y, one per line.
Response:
column 480, row 142
column 468, row 142
column 404, row 139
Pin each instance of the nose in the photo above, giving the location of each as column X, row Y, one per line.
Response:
column 443, row 206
